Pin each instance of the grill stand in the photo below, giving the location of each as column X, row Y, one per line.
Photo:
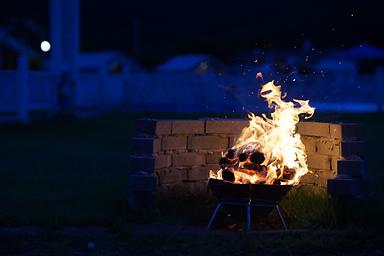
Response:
column 248, row 205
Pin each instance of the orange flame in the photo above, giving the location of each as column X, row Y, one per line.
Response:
column 276, row 138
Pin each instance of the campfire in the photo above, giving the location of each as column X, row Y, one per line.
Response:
column 267, row 159
column 268, row 151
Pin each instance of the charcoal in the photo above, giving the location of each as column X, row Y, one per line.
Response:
column 258, row 167
column 288, row 176
column 230, row 154
column 276, row 182
column 228, row 175
column 252, row 166
column 224, row 161
column 243, row 157
column 257, row 158
column 288, row 173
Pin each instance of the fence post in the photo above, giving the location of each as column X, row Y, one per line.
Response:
column 22, row 89
column 380, row 89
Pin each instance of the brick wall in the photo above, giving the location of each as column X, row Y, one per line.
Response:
column 323, row 151
column 180, row 153
column 328, row 147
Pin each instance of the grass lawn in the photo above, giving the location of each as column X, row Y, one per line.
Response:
column 75, row 173
column 179, row 242
column 64, row 172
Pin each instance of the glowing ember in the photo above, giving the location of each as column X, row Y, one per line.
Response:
column 269, row 150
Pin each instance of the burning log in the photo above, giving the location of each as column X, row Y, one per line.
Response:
column 269, row 145
column 224, row 161
column 288, row 173
column 252, row 166
column 246, row 163
column 228, row 175
column 257, row 158
column 230, row 154
column 243, row 157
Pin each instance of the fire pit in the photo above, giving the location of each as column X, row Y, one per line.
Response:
column 273, row 149
column 224, row 190
column 267, row 159
column 248, row 195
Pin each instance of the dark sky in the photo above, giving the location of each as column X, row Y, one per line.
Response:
column 223, row 28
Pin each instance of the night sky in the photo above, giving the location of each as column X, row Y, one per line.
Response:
column 156, row 30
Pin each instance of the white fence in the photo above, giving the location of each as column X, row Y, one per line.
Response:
column 8, row 91
column 42, row 92
column 175, row 92
column 23, row 91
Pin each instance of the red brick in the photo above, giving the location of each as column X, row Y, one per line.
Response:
column 162, row 161
column 188, row 127
column 171, row 175
column 324, row 176
column 213, row 157
column 225, row 126
column 328, row 147
column 335, row 131
column 313, row 129
column 174, row 142
column 207, row 142
column 309, row 143
column 187, row 159
column 334, row 163
column 320, row 162
column 200, row 172
column 309, row 178
column 232, row 141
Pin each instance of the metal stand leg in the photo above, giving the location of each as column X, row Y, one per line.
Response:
column 281, row 217
column 214, row 215
column 249, row 207
column 248, row 217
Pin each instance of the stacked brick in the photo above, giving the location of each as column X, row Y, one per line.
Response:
column 351, row 168
column 323, row 148
column 335, row 156
column 180, row 153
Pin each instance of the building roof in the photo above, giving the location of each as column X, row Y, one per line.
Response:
column 359, row 52
column 101, row 58
column 15, row 44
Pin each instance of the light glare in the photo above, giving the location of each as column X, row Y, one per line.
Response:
column 45, row 46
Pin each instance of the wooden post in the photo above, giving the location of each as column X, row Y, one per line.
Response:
column 65, row 40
